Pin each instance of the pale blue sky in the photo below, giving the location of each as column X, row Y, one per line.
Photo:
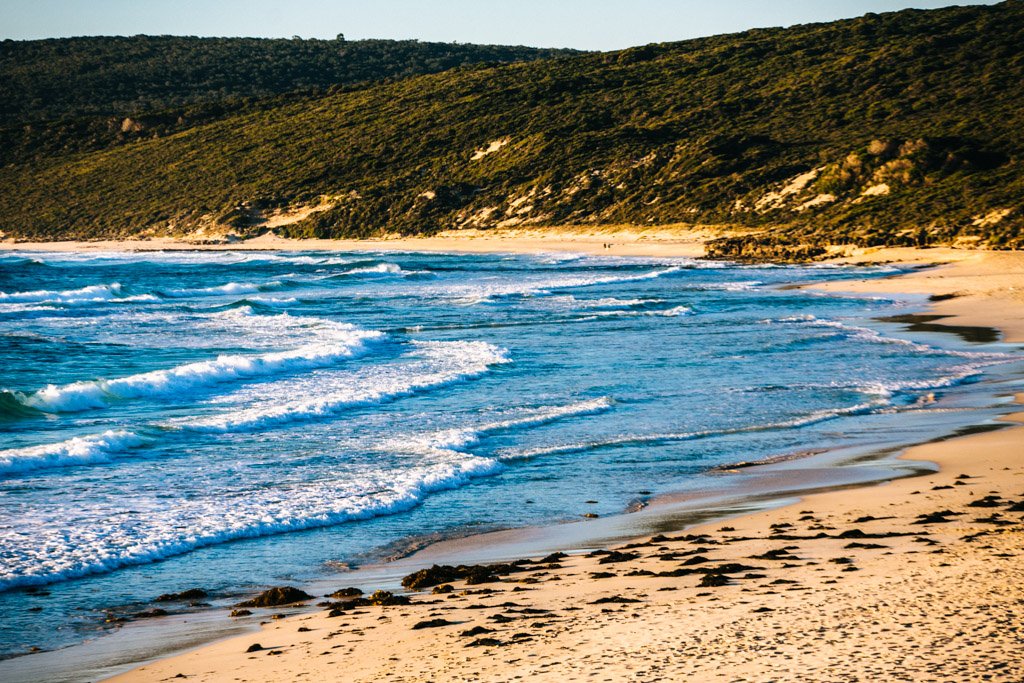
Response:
column 584, row 24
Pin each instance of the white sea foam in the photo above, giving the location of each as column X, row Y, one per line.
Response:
column 80, row 450
column 621, row 307
column 611, row 302
column 570, row 301
column 148, row 327
column 274, row 301
column 220, row 290
column 866, row 334
column 555, row 258
column 26, row 308
column 673, row 312
column 958, row 375
column 461, row 439
column 112, row 293
column 740, row 286
column 601, row 261
column 107, row 538
column 47, row 300
column 104, row 258
column 261, row 330
column 302, row 260
column 346, row 341
column 181, row 257
column 432, row 365
column 379, row 269
column 90, row 294
column 667, row 437
column 978, row 360
column 439, row 364
column 484, row 292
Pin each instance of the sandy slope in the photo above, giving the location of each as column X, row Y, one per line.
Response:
column 938, row 601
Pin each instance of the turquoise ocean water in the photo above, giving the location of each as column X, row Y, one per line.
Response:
column 238, row 419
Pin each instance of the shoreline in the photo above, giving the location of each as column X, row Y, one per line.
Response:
column 996, row 303
column 983, row 289
column 884, row 510
column 751, row 489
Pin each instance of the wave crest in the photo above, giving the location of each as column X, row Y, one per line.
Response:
column 90, row 294
column 347, row 341
column 444, row 363
column 80, row 450
column 219, row 290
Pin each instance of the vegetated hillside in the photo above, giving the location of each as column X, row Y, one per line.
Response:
column 902, row 128
column 82, row 94
column 46, row 80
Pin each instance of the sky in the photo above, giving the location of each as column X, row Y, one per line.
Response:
column 581, row 24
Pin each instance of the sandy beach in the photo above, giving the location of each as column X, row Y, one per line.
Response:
column 841, row 586
column 914, row 579
column 612, row 241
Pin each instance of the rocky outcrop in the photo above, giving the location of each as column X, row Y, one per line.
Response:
column 281, row 595
column 472, row 574
column 190, row 594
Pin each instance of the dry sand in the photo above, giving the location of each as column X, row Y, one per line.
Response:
column 666, row 241
column 859, row 584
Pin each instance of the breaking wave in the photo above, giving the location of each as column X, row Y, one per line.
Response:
column 80, row 450
column 90, row 294
column 347, row 342
column 220, row 290
column 461, row 439
column 483, row 293
column 84, row 550
column 439, row 364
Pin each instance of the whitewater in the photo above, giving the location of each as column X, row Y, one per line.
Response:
column 235, row 420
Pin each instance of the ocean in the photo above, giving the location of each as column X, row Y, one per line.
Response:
column 234, row 420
